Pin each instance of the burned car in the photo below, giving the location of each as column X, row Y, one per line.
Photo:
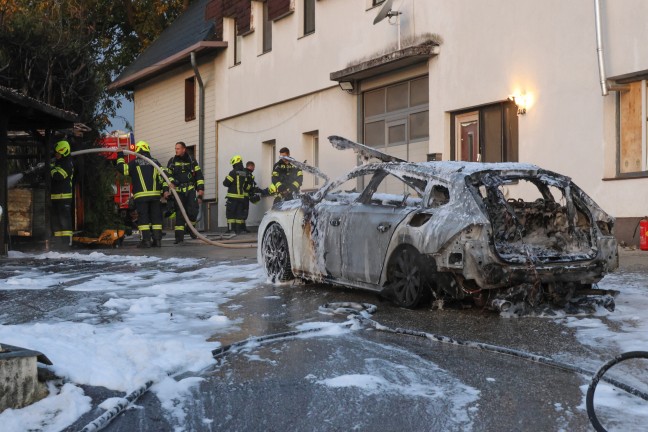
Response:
column 497, row 233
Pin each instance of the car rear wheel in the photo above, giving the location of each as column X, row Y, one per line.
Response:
column 276, row 256
column 406, row 276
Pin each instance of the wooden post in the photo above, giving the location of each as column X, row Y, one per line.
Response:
column 4, row 231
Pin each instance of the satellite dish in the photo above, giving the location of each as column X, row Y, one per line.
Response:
column 385, row 12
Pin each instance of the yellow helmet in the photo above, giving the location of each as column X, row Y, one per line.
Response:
column 142, row 146
column 236, row 159
column 62, row 148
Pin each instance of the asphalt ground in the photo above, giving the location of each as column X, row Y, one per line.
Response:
column 240, row 395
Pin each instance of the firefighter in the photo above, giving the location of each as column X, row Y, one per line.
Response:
column 148, row 187
column 252, row 193
column 62, row 175
column 286, row 178
column 236, row 182
column 188, row 181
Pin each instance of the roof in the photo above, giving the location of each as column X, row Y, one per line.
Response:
column 190, row 32
column 25, row 113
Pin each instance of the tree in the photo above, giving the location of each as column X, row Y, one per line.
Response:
column 65, row 53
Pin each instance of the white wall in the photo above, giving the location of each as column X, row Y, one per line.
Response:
column 285, row 124
column 160, row 118
column 491, row 49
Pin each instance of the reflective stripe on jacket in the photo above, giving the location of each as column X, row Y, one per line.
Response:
column 62, row 174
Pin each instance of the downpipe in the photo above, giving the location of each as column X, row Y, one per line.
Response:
column 599, row 48
column 204, row 239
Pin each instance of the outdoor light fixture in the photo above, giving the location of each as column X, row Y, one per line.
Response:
column 521, row 101
column 347, row 86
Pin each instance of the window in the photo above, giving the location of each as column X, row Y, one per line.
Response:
column 396, row 119
column 238, row 42
column 486, row 134
column 309, row 17
column 632, row 129
column 190, row 99
column 267, row 30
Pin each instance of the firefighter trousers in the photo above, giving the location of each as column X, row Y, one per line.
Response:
column 235, row 213
column 190, row 204
column 61, row 220
column 149, row 218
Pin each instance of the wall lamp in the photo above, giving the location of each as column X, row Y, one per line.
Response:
column 347, row 86
column 521, row 101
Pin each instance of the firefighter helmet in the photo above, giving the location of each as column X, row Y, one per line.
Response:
column 142, row 146
column 236, row 159
column 62, row 148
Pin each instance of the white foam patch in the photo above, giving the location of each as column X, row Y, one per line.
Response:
column 152, row 323
column 54, row 413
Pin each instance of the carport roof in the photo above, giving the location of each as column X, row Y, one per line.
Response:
column 25, row 113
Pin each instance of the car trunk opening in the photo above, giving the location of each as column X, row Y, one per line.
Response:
column 536, row 218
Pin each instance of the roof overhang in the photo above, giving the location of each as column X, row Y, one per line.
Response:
column 26, row 113
column 387, row 63
column 180, row 58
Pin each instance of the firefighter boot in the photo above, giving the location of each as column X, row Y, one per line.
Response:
column 146, row 240
column 179, row 236
column 191, row 233
column 229, row 228
column 244, row 229
column 157, row 238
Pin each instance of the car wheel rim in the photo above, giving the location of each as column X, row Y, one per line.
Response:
column 274, row 252
column 406, row 279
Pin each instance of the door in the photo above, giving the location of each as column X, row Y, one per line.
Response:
column 329, row 236
column 372, row 227
column 467, row 134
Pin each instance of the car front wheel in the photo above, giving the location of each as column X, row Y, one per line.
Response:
column 406, row 279
column 276, row 256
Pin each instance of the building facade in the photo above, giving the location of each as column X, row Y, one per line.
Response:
column 492, row 80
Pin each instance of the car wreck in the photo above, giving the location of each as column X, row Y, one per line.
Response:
column 495, row 233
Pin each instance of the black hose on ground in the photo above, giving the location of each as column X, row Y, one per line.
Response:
column 536, row 358
column 591, row 412
column 103, row 420
column 173, row 191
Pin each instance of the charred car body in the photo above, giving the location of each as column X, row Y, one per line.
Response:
column 496, row 233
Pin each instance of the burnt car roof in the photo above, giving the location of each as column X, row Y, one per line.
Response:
column 453, row 170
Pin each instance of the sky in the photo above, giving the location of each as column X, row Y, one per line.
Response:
column 126, row 335
column 124, row 114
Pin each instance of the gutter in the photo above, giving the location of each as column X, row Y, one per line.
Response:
column 599, row 48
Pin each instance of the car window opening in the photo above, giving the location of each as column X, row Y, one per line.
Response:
column 535, row 221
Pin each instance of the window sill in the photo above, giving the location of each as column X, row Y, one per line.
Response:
column 306, row 35
column 639, row 175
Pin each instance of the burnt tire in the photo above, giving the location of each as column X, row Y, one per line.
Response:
column 406, row 279
column 276, row 256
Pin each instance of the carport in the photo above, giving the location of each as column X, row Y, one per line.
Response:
column 27, row 127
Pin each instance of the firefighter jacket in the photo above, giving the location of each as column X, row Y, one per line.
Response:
column 252, row 191
column 286, row 178
column 145, row 178
column 62, row 173
column 185, row 173
column 238, row 182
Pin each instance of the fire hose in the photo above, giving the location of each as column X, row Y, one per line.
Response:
column 231, row 244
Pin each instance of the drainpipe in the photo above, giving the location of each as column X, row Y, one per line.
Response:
column 599, row 48
column 201, row 124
